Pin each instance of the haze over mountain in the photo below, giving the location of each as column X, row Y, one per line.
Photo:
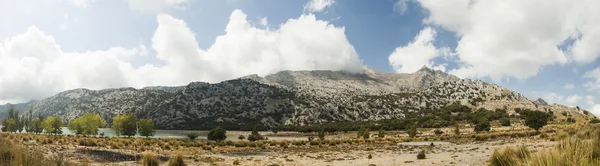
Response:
column 289, row 98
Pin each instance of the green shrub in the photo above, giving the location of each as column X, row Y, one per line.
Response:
column 217, row 134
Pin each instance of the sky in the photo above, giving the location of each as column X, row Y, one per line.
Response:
column 539, row 48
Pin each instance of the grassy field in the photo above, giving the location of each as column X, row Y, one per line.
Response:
column 556, row 144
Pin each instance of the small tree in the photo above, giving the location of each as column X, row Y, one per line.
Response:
column 241, row 137
column 536, row 120
column 275, row 130
column 361, row 132
column 254, row 136
column 192, row 136
column 217, row 134
column 321, row 134
column 482, row 125
column 412, row 131
column 53, row 125
column 146, row 128
column 381, row 133
column 87, row 124
column 125, row 125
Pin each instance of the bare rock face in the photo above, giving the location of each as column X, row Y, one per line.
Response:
column 288, row 98
column 540, row 101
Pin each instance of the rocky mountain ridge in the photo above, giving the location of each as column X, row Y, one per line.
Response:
column 287, row 98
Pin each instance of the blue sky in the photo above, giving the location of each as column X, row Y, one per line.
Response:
column 547, row 51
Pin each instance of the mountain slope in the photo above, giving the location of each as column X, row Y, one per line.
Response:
column 291, row 98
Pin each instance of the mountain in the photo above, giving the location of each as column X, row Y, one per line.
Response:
column 290, row 98
column 540, row 101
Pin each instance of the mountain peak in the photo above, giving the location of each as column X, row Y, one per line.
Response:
column 540, row 101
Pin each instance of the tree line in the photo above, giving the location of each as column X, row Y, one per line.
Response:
column 87, row 125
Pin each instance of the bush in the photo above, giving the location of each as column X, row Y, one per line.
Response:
column 421, row 155
column 595, row 120
column 217, row 134
column 438, row 132
column 192, row 136
column 241, row 137
column 412, row 131
column 321, row 134
column 504, row 121
column 176, row 161
column 482, row 125
column 149, row 159
column 255, row 136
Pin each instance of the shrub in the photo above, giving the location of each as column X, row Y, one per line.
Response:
column 412, row 131
column 176, row 161
column 438, row 132
column 236, row 162
column 149, row 159
column 595, row 120
column 504, row 121
column 321, row 134
column 509, row 156
column 255, row 136
column 192, row 136
column 241, row 137
column 421, row 155
column 217, row 134
column 381, row 133
column 482, row 125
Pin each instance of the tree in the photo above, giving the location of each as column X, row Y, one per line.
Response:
column 254, row 136
column 275, row 130
column 146, row 128
column 536, row 119
column 482, row 125
column 29, row 122
column 361, row 132
column 217, row 134
column 12, row 122
column 505, row 121
column 53, row 125
column 37, row 124
column 412, row 131
column 241, row 137
column 321, row 134
column 87, row 124
column 125, row 125
column 192, row 136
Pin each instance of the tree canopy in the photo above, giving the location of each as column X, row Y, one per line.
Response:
column 53, row 125
column 125, row 125
column 146, row 127
column 87, row 124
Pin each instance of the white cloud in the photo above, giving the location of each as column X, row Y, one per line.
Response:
column 263, row 22
column 589, row 99
column 573, row 99
column 569, row 86
column 595, row 75
column 595, row 109
column 318, row 5
column 33, row 65
column 156, row 5
column 81, row 3
column 515, row 38
column 401, row 6
column 418, row 53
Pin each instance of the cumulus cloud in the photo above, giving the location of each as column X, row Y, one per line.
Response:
column 318, row 5
column 33, row 65
column 156, row 5
column 418, row 53
column 572, row 99
column 515, row 38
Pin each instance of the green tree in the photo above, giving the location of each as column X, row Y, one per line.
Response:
column 53, row 125
column 146, row 128
column 217, row 134
column 360, row 132
column 536, row 119
column 87, row 124
column 125, row 125
column 29, row 121
column 321, row 134
column 37, row 124
column 482, row 125
column 12, row 123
